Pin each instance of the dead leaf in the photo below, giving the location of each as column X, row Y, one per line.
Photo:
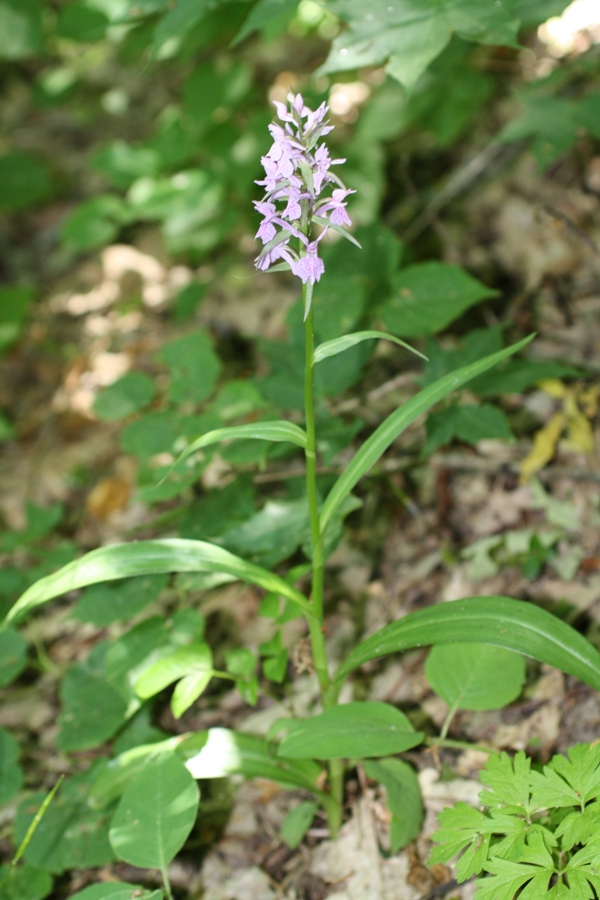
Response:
column 109, row 496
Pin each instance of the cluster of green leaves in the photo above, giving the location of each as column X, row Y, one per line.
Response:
column 537, row 833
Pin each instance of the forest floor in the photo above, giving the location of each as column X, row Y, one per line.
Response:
column 463, row 524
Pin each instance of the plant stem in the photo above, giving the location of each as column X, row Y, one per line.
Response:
column 336, row 766
column 166, row 882
column 318, row 561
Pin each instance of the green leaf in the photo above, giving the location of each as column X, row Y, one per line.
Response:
column 126, row 396
column 466, row 675
column 297, row 822
column 113, row 776
column 194, row 367
column 569, row 782
column 71, row 835
column 24, row 882
column 94, row 223
column 24, row 179
column 338, row 345
column 403, row 798
column 509, row 782
column 362, row 729
column 428, row 296
column 512, row 624
column 11, row 776
column 13, row 655
column 510, row 877
column 180, row 19
column 241, row 662
column 82, row 23
column 261, row 431
column 116, row 890
column 148, row 558
column 155, row 814
column 409, row 34
column 262, row 14
column 92, row 710
column 374, row 447
column 470, row 423
column 461, row 828
column 21, row 31
column 229, row 753
column 192, row 664
column 104, row 604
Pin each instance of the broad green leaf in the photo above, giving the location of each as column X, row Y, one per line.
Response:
column 338, row 345
column 150, row 558
column 13, row 655
column 92, row 710
column 470, row 423
column 70, row 835
column 362, row 729
column 113, row 776
column 428, row 296
column 21, row 30
column 261, row 431
column 155, row 814
column 403, row 798
column 262, row 14
column 229, row 753
column 81, row 23
column 374, row 447
column 116, row 890
column 104, row 604
column 95, row 222
column 24, row 883
column 192, row 664
column 126, row 396
column 513, row 624
column 24, row 180
column 11, row 776
column 409, row 34
column 297, row 823
column 193, row 365
column 466, row 675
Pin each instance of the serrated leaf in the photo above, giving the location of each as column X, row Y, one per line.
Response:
column 509, row 877
column 509, row 782
column 357, row 730
column 376, row 445
column 338, row 345
column 466, row 675
column 569, row 782
column 148, row 558
column 500, row 621
column 155, row 814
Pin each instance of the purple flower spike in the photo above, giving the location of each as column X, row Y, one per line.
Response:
column 296, row 174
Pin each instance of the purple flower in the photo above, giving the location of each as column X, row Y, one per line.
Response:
column 296, row 174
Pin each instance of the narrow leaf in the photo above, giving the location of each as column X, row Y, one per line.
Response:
column 321, row 220
column 297, row 823
column 362, row 729
column 338, row 345
column 261, row 431
column 513, row 624
column 191, row 659
column 376, row 445
column 148, row 558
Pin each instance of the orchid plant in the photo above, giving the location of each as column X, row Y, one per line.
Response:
column 304, row 200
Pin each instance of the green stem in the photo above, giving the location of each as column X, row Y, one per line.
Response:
column 318, row 560
column 336, row 766
column 166, row 882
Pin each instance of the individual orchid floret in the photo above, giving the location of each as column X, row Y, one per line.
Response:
column 297, row 200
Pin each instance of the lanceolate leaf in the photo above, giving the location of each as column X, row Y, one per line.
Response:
column 338, row 345
column 149, row 558
column 376, row 445
column 262, row 431
column 513, row 624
